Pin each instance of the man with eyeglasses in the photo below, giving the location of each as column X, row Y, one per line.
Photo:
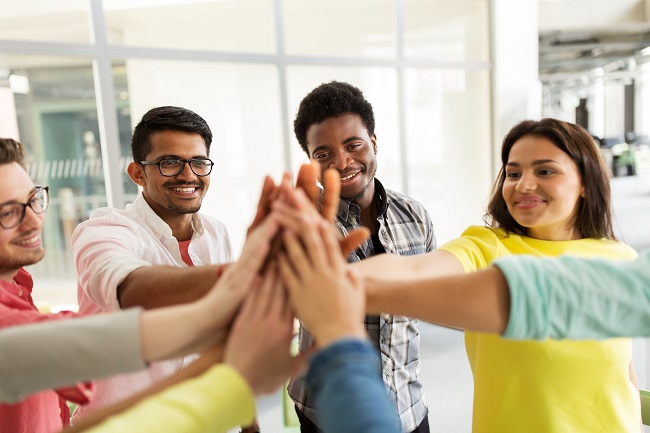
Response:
column 159, row 250
column 21, row 222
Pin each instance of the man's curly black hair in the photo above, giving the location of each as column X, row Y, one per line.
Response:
column 331, row 99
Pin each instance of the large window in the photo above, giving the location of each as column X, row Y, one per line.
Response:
column 76, row 76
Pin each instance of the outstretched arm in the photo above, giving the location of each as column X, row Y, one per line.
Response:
column 478, row 301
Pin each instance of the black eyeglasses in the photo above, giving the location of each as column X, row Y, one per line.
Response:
column 171, row 167
column 12, row 214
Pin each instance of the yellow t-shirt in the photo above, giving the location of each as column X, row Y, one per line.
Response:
column 215, row 401
column 551, row 385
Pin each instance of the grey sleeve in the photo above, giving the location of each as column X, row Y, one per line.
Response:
column 577, row 298
column 60, row 353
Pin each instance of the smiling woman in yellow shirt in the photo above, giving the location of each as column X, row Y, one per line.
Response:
column 551, row 198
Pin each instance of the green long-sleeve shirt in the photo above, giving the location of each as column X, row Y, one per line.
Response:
column 577, row 298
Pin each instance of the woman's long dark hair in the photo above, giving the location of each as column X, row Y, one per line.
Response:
column 594, row 214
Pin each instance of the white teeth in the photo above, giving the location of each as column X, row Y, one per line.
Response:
column 348, row 177
column 28, row 241
column 184, row 189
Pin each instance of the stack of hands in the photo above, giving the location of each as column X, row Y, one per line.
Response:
column 293, row 264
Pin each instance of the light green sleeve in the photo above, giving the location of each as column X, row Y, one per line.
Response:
column 577, row 298
column 214, row 402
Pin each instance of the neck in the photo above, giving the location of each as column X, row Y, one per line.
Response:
column 181, row 226
column 8, row 275
column 369, row 216
column 367, row 199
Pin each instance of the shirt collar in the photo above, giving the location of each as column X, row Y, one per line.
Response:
column 160, row 227
column 345, row 206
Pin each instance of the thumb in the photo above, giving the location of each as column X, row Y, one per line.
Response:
column 352, row 241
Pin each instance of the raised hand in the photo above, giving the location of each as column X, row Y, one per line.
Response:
column 324, row 292
column 259, row 342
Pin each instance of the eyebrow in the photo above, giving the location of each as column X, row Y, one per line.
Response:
column 536, row 162
column 160, row 158
column 31, row 193
column 346, row 141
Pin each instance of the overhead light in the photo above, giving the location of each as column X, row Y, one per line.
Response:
column 19, row 84
column 645, row 51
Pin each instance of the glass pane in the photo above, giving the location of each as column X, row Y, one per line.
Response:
column 45, row 20
column 446, row 30
column 379, row 86
column 242, row 26
column 241, row 103
column 448, row 145
column 53, row 112
column 340, row 28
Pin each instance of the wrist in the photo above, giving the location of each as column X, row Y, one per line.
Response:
column 326, row 336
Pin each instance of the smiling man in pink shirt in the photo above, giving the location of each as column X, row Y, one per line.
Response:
column 22, row 208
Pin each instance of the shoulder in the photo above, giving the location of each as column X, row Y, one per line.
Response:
column 609, row 248
column 109, row 222
column 406, row 205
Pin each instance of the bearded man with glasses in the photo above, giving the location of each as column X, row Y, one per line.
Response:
column 159, row 250
column 22, row 207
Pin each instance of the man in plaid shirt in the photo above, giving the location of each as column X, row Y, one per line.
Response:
column 335, row 127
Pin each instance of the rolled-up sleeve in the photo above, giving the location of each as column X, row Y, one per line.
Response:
column 105, row 253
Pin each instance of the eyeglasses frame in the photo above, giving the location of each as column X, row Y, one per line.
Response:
column 184, row 161
column 37, row 188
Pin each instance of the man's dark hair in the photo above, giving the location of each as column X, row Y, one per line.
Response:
column 332, row 99
column 167, row 119
column 11, row 151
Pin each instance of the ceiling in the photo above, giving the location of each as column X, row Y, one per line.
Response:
column 563, row 54
column 577, row 37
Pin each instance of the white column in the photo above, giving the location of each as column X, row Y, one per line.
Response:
column 516, row 89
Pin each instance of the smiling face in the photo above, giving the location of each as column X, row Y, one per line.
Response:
column 171, row 197
column 542, row 189
column 19, row 246
column 343, row 143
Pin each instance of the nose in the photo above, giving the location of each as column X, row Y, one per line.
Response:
column 32, row 220
column 186, row 173
column 341, row 160
column 526, row 182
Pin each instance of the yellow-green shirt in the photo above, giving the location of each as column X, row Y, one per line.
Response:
column 214, row 402
column 550, row 385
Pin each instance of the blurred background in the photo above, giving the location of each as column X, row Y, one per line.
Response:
column 447, row 79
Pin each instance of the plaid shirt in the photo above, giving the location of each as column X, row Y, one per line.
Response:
column 405, row 229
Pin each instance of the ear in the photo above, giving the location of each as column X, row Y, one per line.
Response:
column 136, row 173
column 373, row 140
column 583, row 194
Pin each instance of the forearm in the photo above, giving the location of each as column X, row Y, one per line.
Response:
column 348, row 390
column 220, row 400
column 577, row 298
column 392, row 267
column 178, row 330
column 158, row 286
column 201, row 365
column 478, row 301
column 60, row 353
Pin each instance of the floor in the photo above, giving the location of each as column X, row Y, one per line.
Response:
column 445, row 371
